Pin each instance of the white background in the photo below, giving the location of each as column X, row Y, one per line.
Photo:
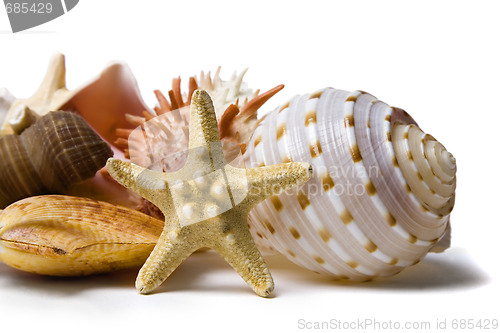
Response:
column 438, row 60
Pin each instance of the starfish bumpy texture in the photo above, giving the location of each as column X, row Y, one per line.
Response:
column 206, row 203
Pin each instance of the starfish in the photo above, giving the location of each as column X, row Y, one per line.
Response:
column 206, row 203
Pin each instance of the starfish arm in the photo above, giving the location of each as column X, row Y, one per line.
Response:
column 170, row 251
column 203, row 128
column 238, row 249
column 271, row 180
column 151, row 185
column 204, row 134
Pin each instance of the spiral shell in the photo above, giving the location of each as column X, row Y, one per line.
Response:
column 380, row 196
column 58, row 150
column 70, row 236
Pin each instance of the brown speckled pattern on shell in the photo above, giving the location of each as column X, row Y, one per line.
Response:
column 375, row 204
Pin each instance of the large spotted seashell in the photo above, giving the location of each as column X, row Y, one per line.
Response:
column 381, row 193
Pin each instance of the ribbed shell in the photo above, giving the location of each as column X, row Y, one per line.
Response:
column 368, row 211
column 60, row 149
column 70, row 236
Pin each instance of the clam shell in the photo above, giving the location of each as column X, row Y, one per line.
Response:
column 71, row 236
column 380, row 196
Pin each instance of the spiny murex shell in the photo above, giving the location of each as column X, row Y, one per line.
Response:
column 69, row 236
column 164, row 136
column 160, row 141
column 380, row 196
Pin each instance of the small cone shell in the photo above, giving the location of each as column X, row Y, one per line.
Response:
column 72, row 236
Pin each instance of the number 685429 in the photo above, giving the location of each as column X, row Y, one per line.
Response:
column 25, row 8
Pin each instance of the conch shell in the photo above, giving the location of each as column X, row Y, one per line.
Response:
column 56, row 151
column 103, row 102
column 381, row 195
column 71, row 236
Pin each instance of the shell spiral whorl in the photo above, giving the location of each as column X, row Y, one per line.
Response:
column 380, row 196
column 427, row 167
column 58, row 150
